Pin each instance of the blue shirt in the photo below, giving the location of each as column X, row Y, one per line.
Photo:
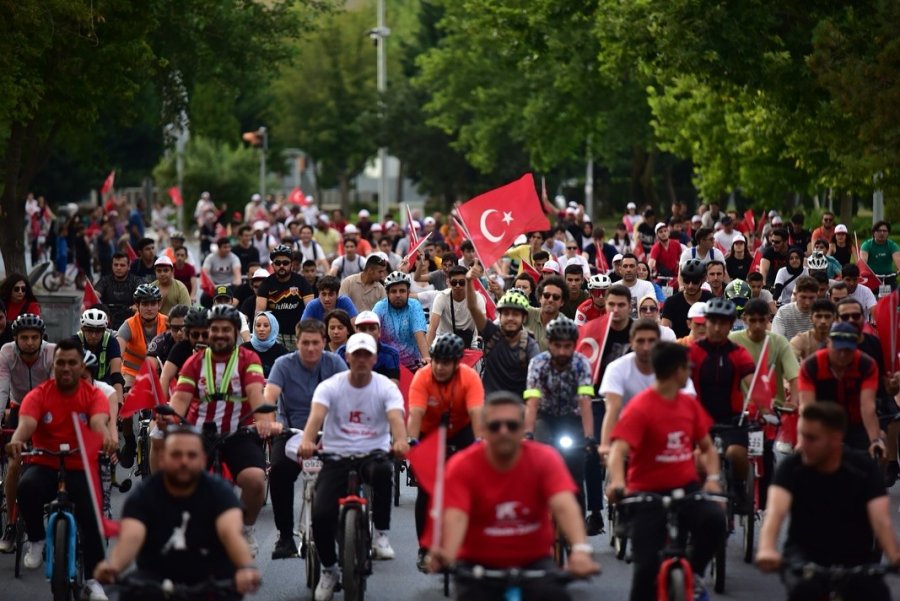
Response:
column 399, row 327
column 297, row 384
column 388, row 363
column 315, row 310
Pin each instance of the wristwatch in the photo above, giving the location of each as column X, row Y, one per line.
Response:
column 582, row 548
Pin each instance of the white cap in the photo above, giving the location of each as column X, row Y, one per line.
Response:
column 586, row 218
column 376, row 227
column 631, row 205
column 429, row 221
column 772, row 213
column 390, row 224
column 552, row 266
column 255, row 198
column 520, row 239
column 697, row 312
column 776, row 220
column 659, row 226
column 367, row 317
column 351, row 229
column 840, row 229
column 261, row 225
column 618, row 257
column 163, row 261
column 696, row 218
column 324, row 218
column 738, row 238
column 361, row 341
column 576, row 260
column 570, row 211
column 363, row 213
column 260, row 273
column 380, row 255
column 309, row 199
column 204, row 195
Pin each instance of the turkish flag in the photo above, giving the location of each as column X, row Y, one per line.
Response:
column 406, row 378
column 638, row 251
column 592, row 341
column 108, row 183
column 867, row 277
column 206, row 284
column 600, row 259
column 89, row 445
column 297, row 197
column 496, row 218
column 888, row 322
column 490, row 309
column 529, row 269
column 749, row 220
column 754, row 264
column 132, row 256
column 761, row 390
column 175, row 195
column 146, row 393
column 90, row 297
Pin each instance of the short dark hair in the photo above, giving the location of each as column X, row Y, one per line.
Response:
column 328, row 282
column 823, row 305
column 375, row 261
column 542, row 233
column 783, row 233
column 806, row 283
column 838, row 286
column 178, row 311
column 457, row 270
column 573, row 270
column 525, row 276
column 848, row 301
column 619, row 290
column 223, row 240
column 467, row 245
column 309, row 325
column 667, row 358
column 797, row 219
column 701, row 233
column 119, row 255
column 755, row 276
column 504, row 397
column 831, row 415
column 713, row 263
column 449, row 257
column 343, row 317
column 350, row 240
column 850, row 271
column 757, row 306
column 144, row 243
column 70, row 344
column 554, row 280
column 541, row 255
column 878, row 224
column 306, row 262
column 819, row 276
column 244, row 228
column 645, row 323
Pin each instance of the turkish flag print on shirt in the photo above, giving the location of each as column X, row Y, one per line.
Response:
column 494, row 219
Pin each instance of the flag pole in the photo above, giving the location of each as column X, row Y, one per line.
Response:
column 762, row 354
column 596, row 373
column 437, row 503
column 87, row 476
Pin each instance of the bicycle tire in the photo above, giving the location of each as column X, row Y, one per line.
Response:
column 143, row 451
column 675, row 584
column 397, row 469
column 352, row 561
column 59, row 577
column 719, row 568
column 750, row 519
column 51, row 283
column 313, row 567
column 20, row 543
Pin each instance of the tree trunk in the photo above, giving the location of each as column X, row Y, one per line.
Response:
column 12, row 208
column 846, row 208
column 638, row 158
column 399, row 185
column 648, row 189
column 670, row 185
column 344, row 183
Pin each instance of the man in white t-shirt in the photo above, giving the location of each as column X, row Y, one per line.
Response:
column 703, row 249
column 725, row 237
column 628, row 375
column 638, row 288
column 361, row 411
column 449, row 310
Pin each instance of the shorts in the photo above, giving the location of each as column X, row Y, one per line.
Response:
column 241, row 451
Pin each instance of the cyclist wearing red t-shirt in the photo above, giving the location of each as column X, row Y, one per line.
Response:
column 499, row 499
column 222, row 386
column 657, row 433
column 595, row 306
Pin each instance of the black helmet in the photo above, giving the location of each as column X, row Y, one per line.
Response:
column 720, row 307
column 562, row 328
column 281, row 249
column 147, row 292
column 196, row 318
column 693, row 270
column 447, row 346
column 225, row 313
column 28, row 321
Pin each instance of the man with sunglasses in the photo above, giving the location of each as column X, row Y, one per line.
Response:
column 284, row 294
column 866, row 298
column 500, row 498
column 775, row 256
column 881, row 254
column 450, row 311
column 675, row 310
column 552, row 294
column 162, row 345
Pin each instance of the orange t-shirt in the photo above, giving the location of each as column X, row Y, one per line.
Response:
column 463, row 392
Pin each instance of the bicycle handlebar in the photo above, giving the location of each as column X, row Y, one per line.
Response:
column 510, row 576
column 36, row 452
column 807, row 570
column 676, row 497
column 172, row 590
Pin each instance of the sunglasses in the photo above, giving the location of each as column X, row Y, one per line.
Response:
column 549, row 296
column 649, row 309
column 195, row 335
column 511, row 425
column 176, row 328
column 280, row 263
column 19, row 289
column 827, row 220
column 851, row 316
column 571, row 248
column 457, row 283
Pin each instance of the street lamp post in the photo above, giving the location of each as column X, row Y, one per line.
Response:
column 263, row 150
column 380, row 35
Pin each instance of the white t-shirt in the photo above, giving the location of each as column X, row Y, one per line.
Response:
column 725, row 240
column 344, row 267
column 622, row 377
column 357, row 417
column 105, row 388
column 692, row 253
column 441, row 306
column 639, row 290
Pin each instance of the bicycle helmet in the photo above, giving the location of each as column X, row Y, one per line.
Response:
column 94, row 318
column 28, row 321
column 693, row 270
column 196, row 318
column 737, row 289
column 513, row 299
column 147, row 292
column 817, row 261
column 397, row 277
column 720, row 307
column 225, row 313
column 601, row 281
column 562, row 328
column 90, row 359
column 448, row 347
column 283, row 250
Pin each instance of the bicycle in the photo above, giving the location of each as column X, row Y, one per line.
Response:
column 309, row 473
column 73, row 276
column 675, row 569
column 665, row 282
column 142, row 445
column 64, row 566
column 884, row 289
column 133, row 586
column 510, row 580
column 835, row 577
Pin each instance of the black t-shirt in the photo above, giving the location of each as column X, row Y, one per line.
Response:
column 646, row 235
column 248, row 308
column 799, row 239
column 6, row 335
column 618, row 343
column 246, row 255
column 738, row 268
column 676, row 309
column 242, row 293
column 267, row 358
column 286, row 299
column 181, row 542
column 180, row 353
column 505, row 365
column 776, row 262
column 829, row 523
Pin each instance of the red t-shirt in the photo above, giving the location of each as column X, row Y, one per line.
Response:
column 662, row 434
column 53, row 412
column 666, row 258
column 509, row 512
column 588, row 312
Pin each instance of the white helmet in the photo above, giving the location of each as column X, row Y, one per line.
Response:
column 600, row 281
column 397, row 277
column 94, row 318
column 817, row 261
column 90, row 359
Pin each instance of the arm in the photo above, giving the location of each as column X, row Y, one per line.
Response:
column 869, row 417
column 878, row 510
column 115, row 367
column 896, row 257
column 475, row 311
column 132, row 534
column 271, row 393
column 311, row 429
column 710, row 459
column 764, row 265
column 476, row 417
column 414, row 425
column 531, row 410
column 169, row 371
column 863, row 255
column 616, row 466
column 568, row 516
column 180, row 402
column 423, row 346
column 433, row 323
column 27, row 426
column 587, row 416
column 229, row 528
column 456, row 522
column 613, row 407
column 779, row 504
column 236, row 274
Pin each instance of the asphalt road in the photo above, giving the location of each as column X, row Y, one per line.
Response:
column 284, row 580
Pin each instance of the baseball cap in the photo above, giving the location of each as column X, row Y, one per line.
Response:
column 586, row 218
column 697, row 312
column 255, row 198
column 177, row 236
column 570, row 211
column 696, row 218
column 429, row 221
column 350, row 229
column 390, row 224
column 163, row 261
column 204, row 195
column 260, row 273
column 361, row 341
column 631, row 205
column 776, row 220
column 844, row 336
column 739, row 238
column 367, row 317
column 363, row 213
column 376, row 227
column 551, row 266
column 618, row 257
column 261, row 225
column 659, row 226
column 840, row 229
column 772, row 213
column 223, row 290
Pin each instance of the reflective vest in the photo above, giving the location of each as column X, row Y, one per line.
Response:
column 102, row 363
column 135, row 351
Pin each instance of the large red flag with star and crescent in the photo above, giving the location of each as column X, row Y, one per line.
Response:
column 494, row 219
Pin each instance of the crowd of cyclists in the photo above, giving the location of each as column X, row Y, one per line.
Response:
column 292, row 335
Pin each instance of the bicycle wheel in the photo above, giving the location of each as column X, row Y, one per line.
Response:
column 353, row 555
column 313, row 567
column 749, row 520
column 719, row 569
column 20, row 542
column 59, row 578
column 143, row 452
column 398, row 467
column 675, row 585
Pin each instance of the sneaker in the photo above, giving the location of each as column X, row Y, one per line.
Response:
column 700, row 592
column 250, row 537
column 327, row 581
column 126, row 457
column 594, row 523
column 382, row 546
column 284, row 548
column 94, row 591
column 8, row 542
column 34, row 554
column 422, row 561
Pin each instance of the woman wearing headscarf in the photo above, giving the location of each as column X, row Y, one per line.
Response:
column 264, row 340
column 787, row 276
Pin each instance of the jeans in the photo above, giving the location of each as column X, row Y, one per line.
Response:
column 283, row 475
